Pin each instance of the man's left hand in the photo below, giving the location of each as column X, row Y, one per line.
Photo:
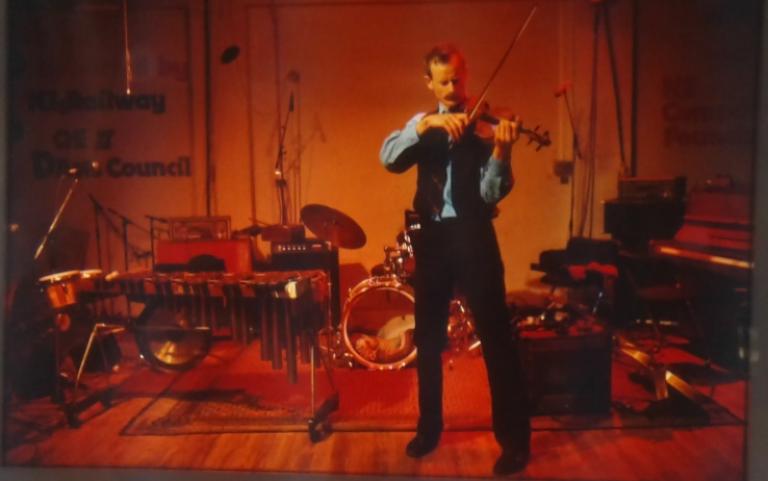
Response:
column 504, row 138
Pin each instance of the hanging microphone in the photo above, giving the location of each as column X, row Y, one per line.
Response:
column 563, row 88
column 290, row 103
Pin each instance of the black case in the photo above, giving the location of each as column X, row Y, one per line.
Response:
column 567, row 371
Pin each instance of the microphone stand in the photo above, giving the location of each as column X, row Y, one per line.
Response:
column 577, row 154
column 280, row 182
column 126, row 222
column 152, row 220
column 56, row 218
column 58, row 393
column 98, row 210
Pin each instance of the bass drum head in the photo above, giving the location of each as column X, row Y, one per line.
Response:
column 378, row 323
column 168, row 341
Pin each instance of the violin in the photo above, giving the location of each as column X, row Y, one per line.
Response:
column 485, row 119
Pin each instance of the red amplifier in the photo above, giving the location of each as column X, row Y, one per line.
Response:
column 235, row 253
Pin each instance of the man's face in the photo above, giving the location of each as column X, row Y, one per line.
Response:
column 448, row 81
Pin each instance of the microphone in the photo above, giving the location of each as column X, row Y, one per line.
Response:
column 563, row 88
column 290, row 103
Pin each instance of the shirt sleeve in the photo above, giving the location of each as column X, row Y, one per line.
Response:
column 399, row 152
column 496, row 180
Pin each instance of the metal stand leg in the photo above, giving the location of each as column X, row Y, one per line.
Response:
column 71, row 408
column 660, row 376
column 318, row 425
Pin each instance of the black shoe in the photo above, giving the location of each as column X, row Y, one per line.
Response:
column 511, row 461
column 421, row 445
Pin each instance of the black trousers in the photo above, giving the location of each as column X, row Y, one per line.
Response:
column 463, row 255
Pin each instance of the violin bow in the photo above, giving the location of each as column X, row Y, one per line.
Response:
column 473, row 114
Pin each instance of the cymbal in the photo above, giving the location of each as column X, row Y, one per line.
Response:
column 333, row 226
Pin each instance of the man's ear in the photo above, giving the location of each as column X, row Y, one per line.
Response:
column 428, row 82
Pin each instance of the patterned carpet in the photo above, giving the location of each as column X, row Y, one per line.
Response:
column 234, row 391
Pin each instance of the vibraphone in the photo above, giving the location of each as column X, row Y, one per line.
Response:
column 284, row 310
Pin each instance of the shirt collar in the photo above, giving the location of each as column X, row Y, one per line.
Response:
column 442, row 109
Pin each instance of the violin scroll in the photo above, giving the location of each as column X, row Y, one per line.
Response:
column 540, row 138
column 484, row 130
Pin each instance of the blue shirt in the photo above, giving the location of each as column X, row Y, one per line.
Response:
column 496, row 178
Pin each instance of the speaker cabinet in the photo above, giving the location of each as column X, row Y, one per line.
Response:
column 311, row 254
column 568, row 372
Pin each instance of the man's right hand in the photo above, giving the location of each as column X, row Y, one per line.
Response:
column 452, row 124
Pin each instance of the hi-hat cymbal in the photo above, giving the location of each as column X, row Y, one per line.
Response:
column 333, row 226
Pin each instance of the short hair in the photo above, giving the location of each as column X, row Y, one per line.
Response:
column 442, row 53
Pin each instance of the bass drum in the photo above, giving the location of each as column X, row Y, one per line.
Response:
column 378, row 323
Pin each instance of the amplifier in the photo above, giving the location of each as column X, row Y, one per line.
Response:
column 643, row 188
column 567, row 373
column 234, row 254
column 309, row 245
column 199, row 228
column 311, row 254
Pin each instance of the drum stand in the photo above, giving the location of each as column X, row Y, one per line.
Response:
column 318, row 425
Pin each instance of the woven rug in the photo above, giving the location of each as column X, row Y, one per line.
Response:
column 243, row 394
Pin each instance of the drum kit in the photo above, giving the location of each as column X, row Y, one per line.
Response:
column 377, row 323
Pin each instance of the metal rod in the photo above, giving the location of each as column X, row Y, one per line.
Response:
column 312, row 379
column 56, row 218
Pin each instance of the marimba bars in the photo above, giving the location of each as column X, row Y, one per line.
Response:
column 284, row 309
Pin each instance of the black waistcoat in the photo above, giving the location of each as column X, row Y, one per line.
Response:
column 467, row 155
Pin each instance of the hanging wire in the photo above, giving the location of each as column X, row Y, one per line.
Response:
column 127, row 51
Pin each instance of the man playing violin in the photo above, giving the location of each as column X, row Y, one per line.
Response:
column 460, row 178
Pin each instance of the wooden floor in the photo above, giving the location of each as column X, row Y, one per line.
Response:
column 713, row 453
